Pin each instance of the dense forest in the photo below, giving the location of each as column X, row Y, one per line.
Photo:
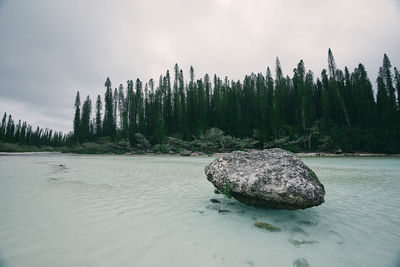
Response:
column 338, row 111
column 26, row 137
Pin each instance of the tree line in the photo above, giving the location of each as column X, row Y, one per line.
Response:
column 337, row 111
column 23, row 134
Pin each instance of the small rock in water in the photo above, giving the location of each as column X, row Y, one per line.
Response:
column 250, row 262
column 223, row 211
column 213, row 200
column 302, row 242
column 267, row 226
column 300, row 263
column 272, row 178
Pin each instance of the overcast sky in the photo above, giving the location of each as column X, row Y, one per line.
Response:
column 49, row 49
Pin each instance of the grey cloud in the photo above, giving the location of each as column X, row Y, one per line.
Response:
column 54, row 48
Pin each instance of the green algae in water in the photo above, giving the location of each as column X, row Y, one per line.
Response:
column 267, row 226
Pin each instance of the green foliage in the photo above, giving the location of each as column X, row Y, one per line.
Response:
column 298, row 113
column 227, row 190
column 141, row 141
column 161, row 148
column 99, row 148
column 12, row 147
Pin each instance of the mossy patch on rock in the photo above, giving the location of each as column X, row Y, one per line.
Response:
column 227, row 190
column 314, row 175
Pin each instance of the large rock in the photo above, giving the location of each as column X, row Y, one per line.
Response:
column 272, row 178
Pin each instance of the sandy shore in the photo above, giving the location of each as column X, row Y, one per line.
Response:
column 28, row 153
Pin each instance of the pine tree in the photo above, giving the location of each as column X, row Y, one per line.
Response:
column 388, row 81
column 123, row 111
column 3, row 126
column 207, row 86
column 115, row 107
column 331, row 65
column 397, row 80
column 77, row 117
column 10, row 129
column 98, row 122
column 139, row 104
column 131, row 113
column 17, row 132
column 191, row 104
column 85, row 120
column 109, row 127
column 382, row 98
column 168, row 109
column 23, row 133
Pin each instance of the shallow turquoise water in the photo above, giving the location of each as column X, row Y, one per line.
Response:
column 156, row 211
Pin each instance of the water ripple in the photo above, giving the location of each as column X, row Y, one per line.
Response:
column 156, row 211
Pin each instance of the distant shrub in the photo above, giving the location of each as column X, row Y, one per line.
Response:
column 177, row 143
column 140, row 152
column 160, row 148
column 7, row 147
column 93, row 148
column 10, row 147
column 142, row 142
column 293, row 148
column 98, row 148
column 326, row 143
column 105, row 139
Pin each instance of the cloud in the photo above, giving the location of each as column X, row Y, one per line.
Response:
column 54, row 48
column 36, row 115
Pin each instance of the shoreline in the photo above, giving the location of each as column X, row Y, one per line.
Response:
column 202, row 154
column 323, row 154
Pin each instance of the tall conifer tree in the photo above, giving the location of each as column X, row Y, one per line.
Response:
column 77, row 117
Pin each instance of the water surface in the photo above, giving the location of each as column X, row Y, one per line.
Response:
column 69, row 210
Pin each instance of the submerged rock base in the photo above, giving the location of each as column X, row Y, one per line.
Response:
column 272, row 178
